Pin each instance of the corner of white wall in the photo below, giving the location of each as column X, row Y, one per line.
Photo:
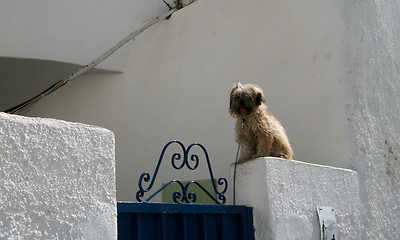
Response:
column 285, row 195
column 57, row 180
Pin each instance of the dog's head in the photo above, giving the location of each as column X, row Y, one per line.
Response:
column 245, row 99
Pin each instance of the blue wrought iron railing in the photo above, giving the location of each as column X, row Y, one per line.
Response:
column 180, row 161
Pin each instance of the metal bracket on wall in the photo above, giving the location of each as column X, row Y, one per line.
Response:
column 327, row 223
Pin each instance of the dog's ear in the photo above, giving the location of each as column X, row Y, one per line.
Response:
column 260, row 97
column 236, row 86
column 230, row 105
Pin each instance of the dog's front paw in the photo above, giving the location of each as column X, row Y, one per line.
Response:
column 258, row 156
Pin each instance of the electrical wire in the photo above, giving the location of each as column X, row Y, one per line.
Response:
column 90, row 66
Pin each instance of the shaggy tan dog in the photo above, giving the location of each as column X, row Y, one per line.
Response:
column 262, row 134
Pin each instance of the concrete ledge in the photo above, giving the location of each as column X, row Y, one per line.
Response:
column 57, row 180
column 285, row 195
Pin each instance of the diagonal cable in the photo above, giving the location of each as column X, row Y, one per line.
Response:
column 90, row 66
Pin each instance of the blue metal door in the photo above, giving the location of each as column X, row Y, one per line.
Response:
column 161, row 221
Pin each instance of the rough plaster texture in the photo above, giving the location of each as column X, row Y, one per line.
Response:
column 330, row 71
column 57, row 180
column 285, row 196
column 371, row 57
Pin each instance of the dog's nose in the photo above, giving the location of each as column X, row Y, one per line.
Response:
column 241, row 102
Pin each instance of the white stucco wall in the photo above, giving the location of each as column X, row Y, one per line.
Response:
column 57, row 180
column 285, row 195
column 329, row 69
column 178, row 76
column 71, row 32
column 372, row 71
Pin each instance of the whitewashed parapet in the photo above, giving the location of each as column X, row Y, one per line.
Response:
column 285, row 195
column 57, row 180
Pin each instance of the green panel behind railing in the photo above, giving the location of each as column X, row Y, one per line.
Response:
column 202, row 197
